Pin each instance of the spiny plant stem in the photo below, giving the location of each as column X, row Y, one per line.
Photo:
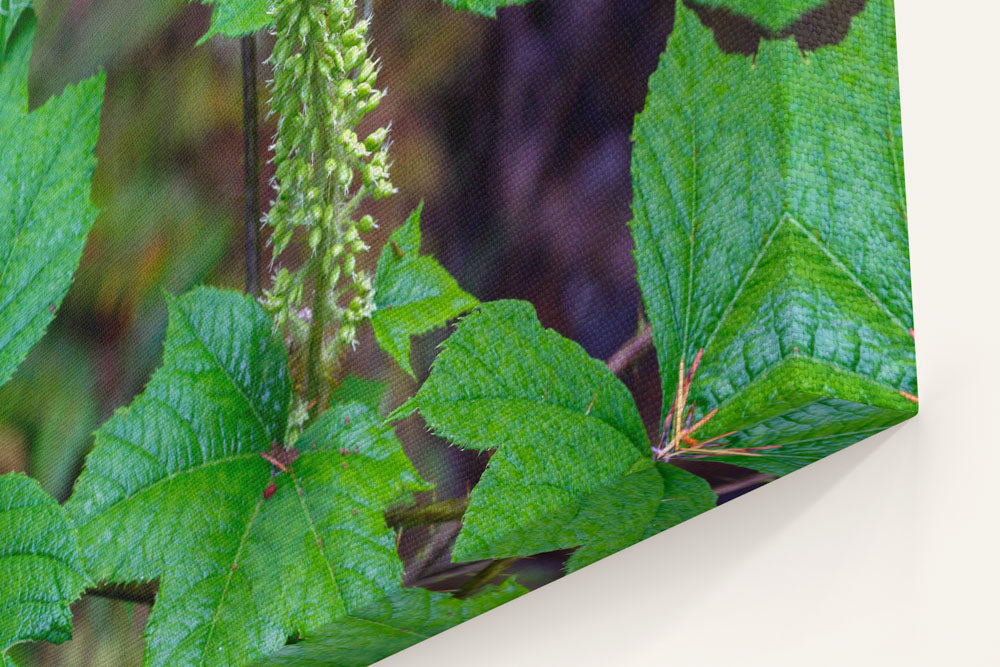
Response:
column 251, row 165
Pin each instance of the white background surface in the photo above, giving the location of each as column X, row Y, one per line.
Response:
column 884, row 554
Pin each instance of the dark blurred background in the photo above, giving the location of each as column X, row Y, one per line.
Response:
column 514, row 131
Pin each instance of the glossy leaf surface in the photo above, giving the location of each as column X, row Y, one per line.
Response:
column 770, row 230
column 46, row 163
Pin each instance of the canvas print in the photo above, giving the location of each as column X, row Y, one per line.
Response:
column 330, row 324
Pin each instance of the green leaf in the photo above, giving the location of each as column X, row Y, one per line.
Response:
column 775, row 15
column 396, row 623
column 40, row 561
column 46, row 163
column 356, row 389
column 563, row 425
column 484, row 7
column 180, row 473
column 235, row 18
column 770, row 230
column 10, row 14
column 413, row 293
column 638, row 506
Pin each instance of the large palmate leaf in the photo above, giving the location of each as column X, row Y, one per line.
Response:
column 176, row 488
column 568, row 438
column 413, row 293
column 775, row 15
column 40, row 562
column 235, row 18
column 484, row 7
column 46, row 163
column 770, row 230
column 391, row 625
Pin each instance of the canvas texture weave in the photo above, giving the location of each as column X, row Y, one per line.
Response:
column 328, row 326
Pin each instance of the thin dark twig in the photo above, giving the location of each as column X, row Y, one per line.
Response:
column 426, row 515
column 631, row 351
column 741, row 484
column 490, row 572
column 251, row 165
column 433, row 580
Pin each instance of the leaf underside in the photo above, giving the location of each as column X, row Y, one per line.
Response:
column 484, row 7
column 40, row 561
column 46, row 163
column 775, row 15
column 567, row 435
column 174, row 489
column 413, row 293
column 391, row 625
column 235, row 18
column 770, row 230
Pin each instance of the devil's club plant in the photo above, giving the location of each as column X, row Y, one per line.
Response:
column 258, row 492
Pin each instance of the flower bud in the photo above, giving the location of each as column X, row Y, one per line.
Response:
column 346, row 333
column 367, row 72
column 345, row 174
column 353, row 37
column 353, row 57
column 374, row 140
